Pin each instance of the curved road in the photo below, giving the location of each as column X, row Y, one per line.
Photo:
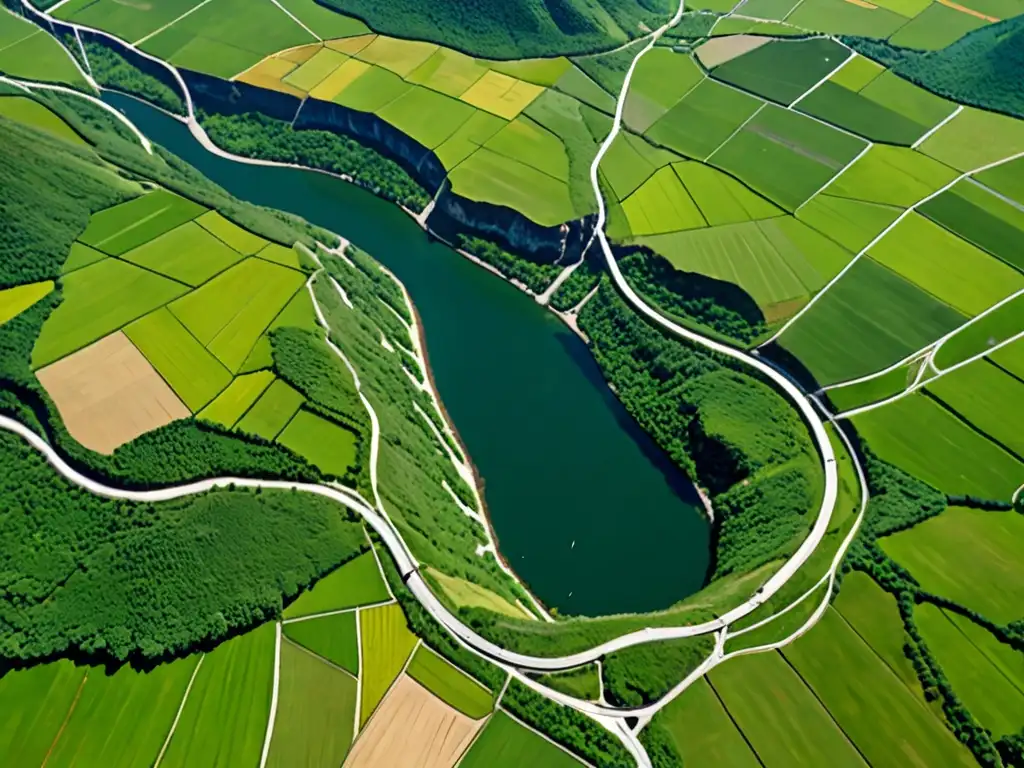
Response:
column 407, row 563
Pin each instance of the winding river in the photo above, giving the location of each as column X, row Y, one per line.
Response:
column 587, row 510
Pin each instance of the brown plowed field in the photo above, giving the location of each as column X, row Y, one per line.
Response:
column 412, row 728
column 719, row 50
column 108, row 394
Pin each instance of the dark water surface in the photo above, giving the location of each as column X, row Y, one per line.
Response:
column 561, row 459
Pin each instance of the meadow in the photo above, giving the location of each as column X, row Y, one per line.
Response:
column 272, row 412
column 353, row 584
column 334, row 638
column 988, row 398
column 505, row 742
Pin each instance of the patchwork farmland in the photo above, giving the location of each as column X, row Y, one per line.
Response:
column 795, row 185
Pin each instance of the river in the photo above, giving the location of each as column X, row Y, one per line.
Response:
column 587, row 509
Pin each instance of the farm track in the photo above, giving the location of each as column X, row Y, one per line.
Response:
column 611, row 717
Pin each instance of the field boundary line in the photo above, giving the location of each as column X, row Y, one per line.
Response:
column 783, row 612
column 296, row 20
column 380, row 567
column 67, row 719
column 181, row 708
column 918, row 384
column 544, row 736
column 359, row 677
column 850, row 56
column 273, row 695
column 912, row 357
column 154, row 33
column 732, row 135
column 1000, row 195
column 912, row 209
column 835, row 176
column 933, row 129
column 288, row 641
column 340, row 611
column 393, row 683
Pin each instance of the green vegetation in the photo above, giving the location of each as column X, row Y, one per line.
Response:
column 978, row 337
column 316, row 712
column 356, row 583
column 24, row 110
column 200, row 567
column 466, row 593
column 14, row 301
column 534, row 276
column 327, row 446
column 226, row 713
column 506, row 741
column 954, row 144
column 252, row 134
column 387, row 644
column 700, row 123
column 643, row 674
column 783, row 70
column 449, row 684
column 987, row 398
column 578, row 733
column 188, row 254
column 228, row 407
column 129, row 22
column 121, row 228
column 37, row 700
column 112, row 70
column 583, row 683
column 28, row 52
column 334, row 638
column 272, row 412
column 934, row 551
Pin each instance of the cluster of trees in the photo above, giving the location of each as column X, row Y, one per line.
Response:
column 255, row 135
column 643, row 674
column 693, row 25
column 583, row 683
column 112, row 70
column 720, row 306
column 982, row 68
column 510, row 29
column 116, row 580
column 730, row 432
column 977, row 502
column 660, row 745
column 534, row 276
column 1011, row 750
column 580, row 282
column 387, row 288
column 576, row 732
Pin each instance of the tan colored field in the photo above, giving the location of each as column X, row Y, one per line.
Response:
column 719, row 50
column 108, row 394
column 968, row 11
column 412, row 728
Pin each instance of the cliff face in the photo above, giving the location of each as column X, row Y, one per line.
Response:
column 211, row 94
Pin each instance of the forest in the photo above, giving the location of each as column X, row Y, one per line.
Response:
column 981, row 69
column 116, row 580
column 510, row 29
column 252, row 134
column 534, row 276
column 112, row 70
column 644, row 673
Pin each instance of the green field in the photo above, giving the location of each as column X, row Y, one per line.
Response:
column 701, row 122
column 786, row 156
column 934, row 552
column 130, row 22
column 192, row 372
column 449, row 684
column 982, row 218
column 470, row 136
column 1007, row 659
column 998, row 325
column 14, row 301
column 956, row 143
column 702, row 732
column 936, row 27
column 325, row 22
column 332, row 637
column 314, row 70
column 129, row 225
column 429, row 117
column 988, row 398
column 892, row 176
column 907, row 99
column 908, row 729
column 857, row 73
column 98, row 300
column 583, row 682
column 783, row 70
column 874, row 390
column 356, row 583
column 851, row 223
column 29, row 53
column 525, row 141
column 950, row 269
column 1011, row 358
column 779, row 716
column 448, row 71
column 841, row 17
column 328, row 446
column 236, row 238
column 35, row 703
column 861, row 115
column 228, row 313
column 466, row 593
column 630, row 161
column 775, row 260
column 237, row 398
column 225, row 718
column 188, row 254
column 269, row 415
column 1007, row 178
column 387, row 643
column 661, row 79
column 225, row 37
column 921, row 437
column 81, row 255
column 316, row 711
column 869, row 319
column 22, row 109
column 661, row 205
column 995, row 700
column 720, row 198
column 505, row 742
column 122, row 720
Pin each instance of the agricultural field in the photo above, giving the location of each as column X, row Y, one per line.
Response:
column 333, row 637
column 29, row 53
column 356, row 583
column 504, row 740
column 389, row 644
column 450, row 684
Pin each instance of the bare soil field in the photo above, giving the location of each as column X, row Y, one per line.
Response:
column 412, row 728
column 108, row 394
column 719, row 50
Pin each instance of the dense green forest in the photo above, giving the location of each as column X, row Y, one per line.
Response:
column 983, row 68
column 256, row 135
column 117, row 579
column 643, row 674
column 534, row 276
column 112, row 70
column 512, row 29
